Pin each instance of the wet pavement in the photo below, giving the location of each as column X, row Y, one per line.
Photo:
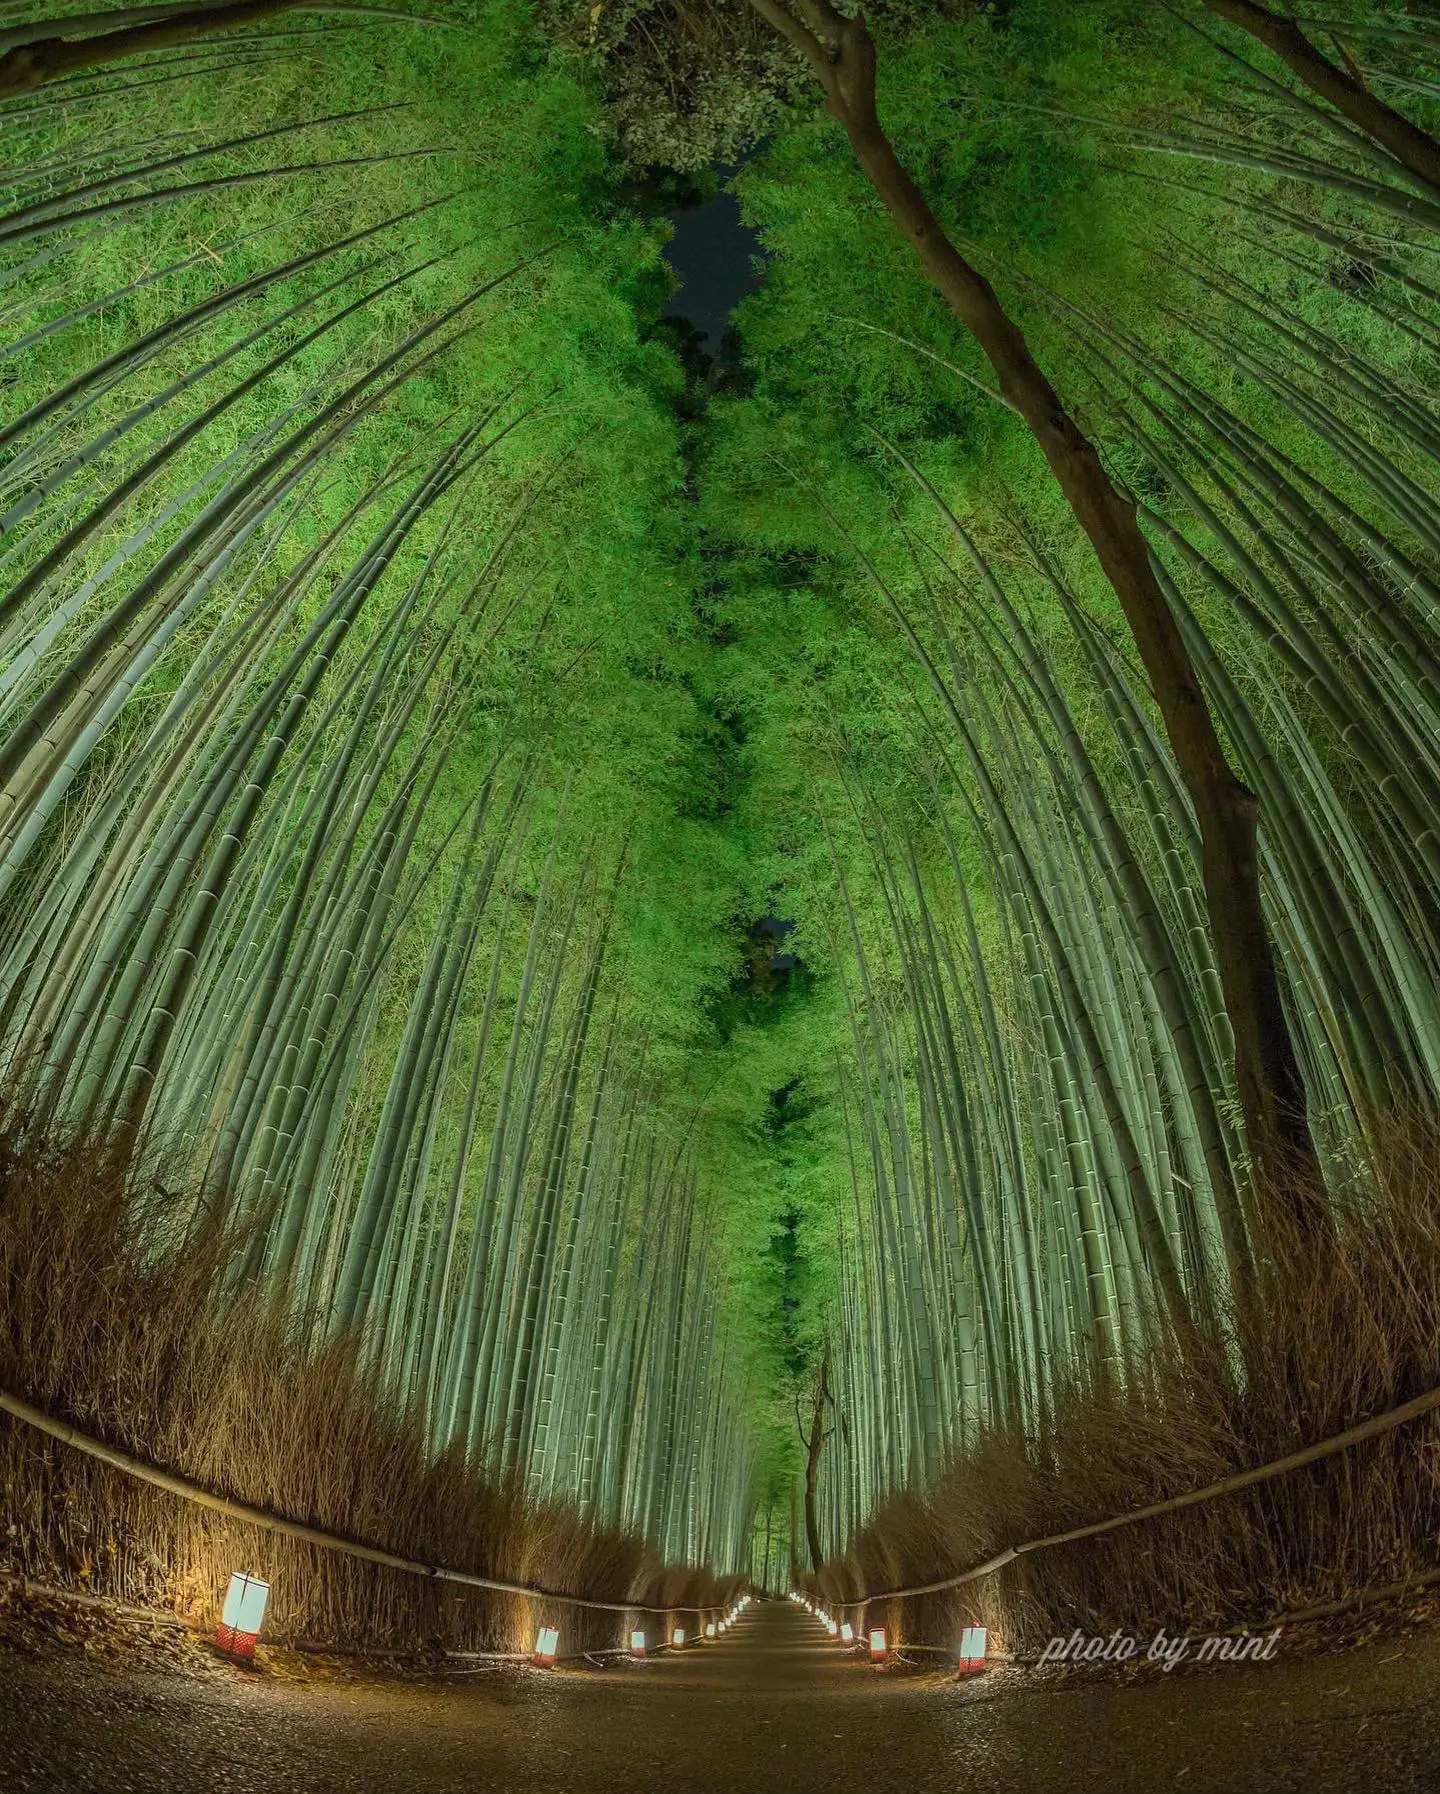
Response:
column 772, row 1706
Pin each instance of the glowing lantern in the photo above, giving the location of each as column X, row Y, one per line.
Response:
column 831, row 1628
column 847, row 1633
column 637, row 1644
column 546, row 1643
column 679, row 1638
column 243, row 1615
column 972, row 1650
column 877, row 1645
column 710, row 1629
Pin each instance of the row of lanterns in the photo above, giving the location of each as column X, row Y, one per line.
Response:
column 548, row 1641
column 246, row 1598
column 713, row 1628
column 842, row 1629
column 973, row 1640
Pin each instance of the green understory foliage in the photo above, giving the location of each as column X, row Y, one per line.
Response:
column 976, row 823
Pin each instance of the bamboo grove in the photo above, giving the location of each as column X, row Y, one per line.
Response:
column 412, row 690
column 313, row 899
column 1049, row 1176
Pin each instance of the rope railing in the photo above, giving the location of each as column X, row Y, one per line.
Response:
column 1228, row 1485
column 186, row 1490
column 297, row 1529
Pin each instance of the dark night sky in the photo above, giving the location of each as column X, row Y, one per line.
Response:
column 712, row 252
column 715, row 257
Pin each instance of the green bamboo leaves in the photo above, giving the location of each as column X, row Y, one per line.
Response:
column 412, row 741
column 1048, row 1178
column 310, row 888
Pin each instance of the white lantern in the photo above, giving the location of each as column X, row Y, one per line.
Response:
column 847, row 1633
column 972, row 1650
column 877, row 1644
column 710, row 1629
column 242, row 1615
column 679, row 1635
column 637, row 1644
column 547, row 1642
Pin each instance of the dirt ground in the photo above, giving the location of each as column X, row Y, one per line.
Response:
column 772, row 1706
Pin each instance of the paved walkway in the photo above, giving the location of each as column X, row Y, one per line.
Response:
column 773, row 1706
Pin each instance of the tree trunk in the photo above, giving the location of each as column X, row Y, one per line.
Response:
column 1267, row 1073
column 1414, row 149
column 814, row 1445
column 31, row 65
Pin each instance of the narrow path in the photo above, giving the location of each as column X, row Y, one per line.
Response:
column 772, row 1707
column 774, row 1648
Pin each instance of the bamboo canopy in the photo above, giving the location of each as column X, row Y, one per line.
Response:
column 743, row 930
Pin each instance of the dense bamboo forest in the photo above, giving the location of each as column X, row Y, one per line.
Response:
column 798, row 962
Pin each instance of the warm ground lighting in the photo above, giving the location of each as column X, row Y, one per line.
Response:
column 719, row 878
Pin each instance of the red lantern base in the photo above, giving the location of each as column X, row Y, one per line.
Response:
column 971, row 1666
column 236, row 1644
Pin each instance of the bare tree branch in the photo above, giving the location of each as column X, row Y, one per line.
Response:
column 32, row 65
